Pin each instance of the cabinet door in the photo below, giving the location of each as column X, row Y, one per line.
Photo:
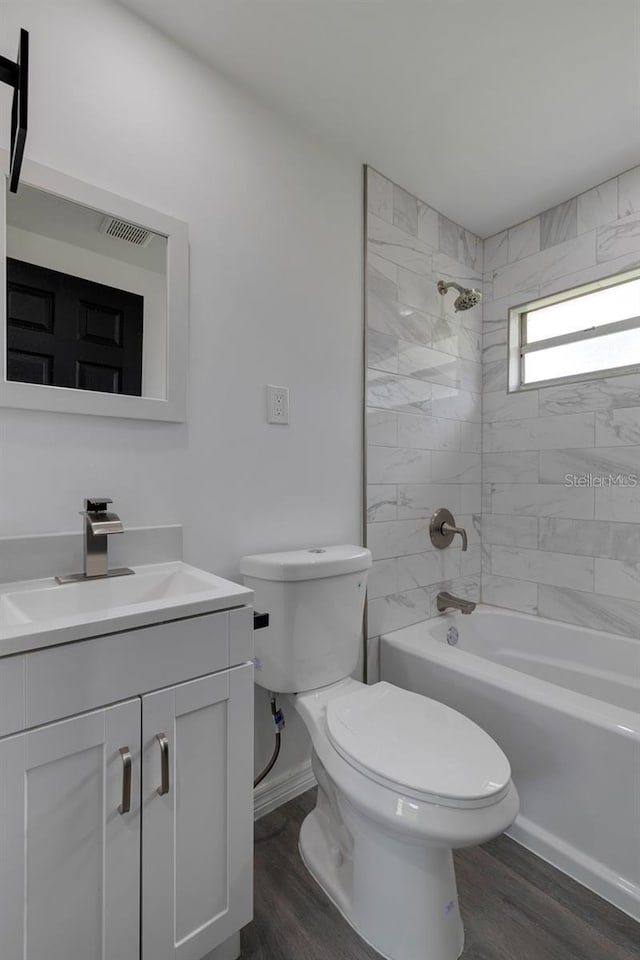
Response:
column 197, row 837
column 69, row 859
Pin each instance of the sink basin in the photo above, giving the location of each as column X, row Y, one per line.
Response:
column 49, row 612
column 68, row 600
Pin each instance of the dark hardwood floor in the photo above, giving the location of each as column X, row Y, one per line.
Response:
column 514, row 906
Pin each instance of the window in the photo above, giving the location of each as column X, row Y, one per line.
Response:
column 580, row 334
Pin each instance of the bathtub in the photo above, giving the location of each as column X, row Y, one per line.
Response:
column 563, row 702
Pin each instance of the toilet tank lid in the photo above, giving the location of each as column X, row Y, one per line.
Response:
column 310, row 564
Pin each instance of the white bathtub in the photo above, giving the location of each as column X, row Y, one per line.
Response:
column 563, row 702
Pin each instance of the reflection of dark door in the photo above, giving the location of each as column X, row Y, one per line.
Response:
column 68, row 332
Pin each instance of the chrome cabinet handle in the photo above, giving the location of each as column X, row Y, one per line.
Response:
column 125, row 806
column 164, row 763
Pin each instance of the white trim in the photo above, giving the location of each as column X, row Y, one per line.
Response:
column 577, row 336
column 581, row 290
column 273, row 793
column 518, row 347
column 32, row 396
column 604, row 374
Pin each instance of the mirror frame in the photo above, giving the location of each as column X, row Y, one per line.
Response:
column 34, row 396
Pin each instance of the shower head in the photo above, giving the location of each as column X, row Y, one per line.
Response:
column 467, row 296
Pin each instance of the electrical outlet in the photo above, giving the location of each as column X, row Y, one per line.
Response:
column 277, row 404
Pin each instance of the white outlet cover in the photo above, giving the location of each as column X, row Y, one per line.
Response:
column 277, row 404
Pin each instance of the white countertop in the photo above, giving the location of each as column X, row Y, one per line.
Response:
column 42, row 613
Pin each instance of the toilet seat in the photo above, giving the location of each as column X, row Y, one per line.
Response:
column 417, row 746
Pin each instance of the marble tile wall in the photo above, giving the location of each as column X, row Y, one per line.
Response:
column 424, row 387
column 567, row 552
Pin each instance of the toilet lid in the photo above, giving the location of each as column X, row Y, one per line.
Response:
column 416, row 744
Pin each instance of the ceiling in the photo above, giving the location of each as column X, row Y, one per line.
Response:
column 490, row 110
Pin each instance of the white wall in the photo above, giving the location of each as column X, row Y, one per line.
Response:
column 276, row 264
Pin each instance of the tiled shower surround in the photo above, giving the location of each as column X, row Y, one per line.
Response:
column 424, row 397
column 566, row 552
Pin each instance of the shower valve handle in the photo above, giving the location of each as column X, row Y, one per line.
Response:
column 443, row 529
column 447, row 528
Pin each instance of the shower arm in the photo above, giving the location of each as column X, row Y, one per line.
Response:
column 443, row 286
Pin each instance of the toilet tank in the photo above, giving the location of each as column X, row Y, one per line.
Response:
column 315, row 601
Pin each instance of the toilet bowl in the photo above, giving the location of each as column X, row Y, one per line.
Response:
column 402, row 779
column 380, row 839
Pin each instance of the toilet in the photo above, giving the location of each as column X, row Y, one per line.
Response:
column 402, row 780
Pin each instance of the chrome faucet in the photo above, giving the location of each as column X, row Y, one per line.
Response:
column 443, row 529
column 444, row 600
column 98, row 525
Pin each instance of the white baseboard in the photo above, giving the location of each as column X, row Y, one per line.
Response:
column 271, row 794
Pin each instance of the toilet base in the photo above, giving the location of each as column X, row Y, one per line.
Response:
column 400, row 897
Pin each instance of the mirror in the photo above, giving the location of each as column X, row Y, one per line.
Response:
column 95, row 304
column 86, row 298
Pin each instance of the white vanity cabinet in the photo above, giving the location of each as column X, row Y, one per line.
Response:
column 197, row 836
column 126, row 806
column 69, row 860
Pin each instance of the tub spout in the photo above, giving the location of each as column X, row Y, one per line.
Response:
column 445, row 600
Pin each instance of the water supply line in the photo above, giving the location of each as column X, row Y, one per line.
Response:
column 278, row 720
